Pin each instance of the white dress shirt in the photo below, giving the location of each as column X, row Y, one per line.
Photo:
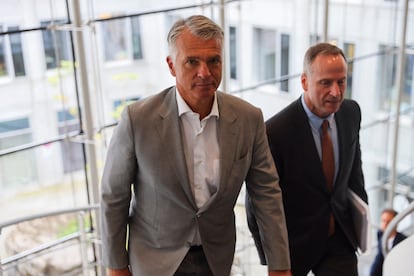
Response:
column 201, row 150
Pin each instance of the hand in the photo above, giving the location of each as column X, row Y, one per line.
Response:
column 118, row 272
column 280, row 273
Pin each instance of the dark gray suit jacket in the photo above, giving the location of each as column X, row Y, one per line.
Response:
column 146, row 150
column 306, row 198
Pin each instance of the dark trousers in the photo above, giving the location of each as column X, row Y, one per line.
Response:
column 339, row 259
column 194, row 264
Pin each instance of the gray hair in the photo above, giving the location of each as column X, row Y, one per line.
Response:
column 323, row 48
column 199, row 26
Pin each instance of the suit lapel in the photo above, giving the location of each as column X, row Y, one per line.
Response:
column 310, row 152
column 341, row 142
column 170, row 133
column 227, row 133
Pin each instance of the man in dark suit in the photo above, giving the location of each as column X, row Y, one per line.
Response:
column 320, row 228
column 186, row 152
column 395, row 237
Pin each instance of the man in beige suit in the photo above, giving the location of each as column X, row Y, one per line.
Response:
column 175, row 166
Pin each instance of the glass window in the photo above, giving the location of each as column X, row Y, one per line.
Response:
column 265, row 54
column 386, row 81
column 407, row 99
column 11, row 53
column 233, row 52
column 384, row 174
column 118, row 106
column 14, row 133
column 72, row 152
column 387, row 78
column 114, row 40
column 56, row 45
column 122, row 103
column 284, row 61
column 3, row 68
column 349, row 50
column 122, row 39
column 14, row 125
column 17, row 52
column 136, row 38
column 314, row 38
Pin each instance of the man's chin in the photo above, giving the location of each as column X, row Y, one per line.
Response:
column 333, row 107
column 205, row 90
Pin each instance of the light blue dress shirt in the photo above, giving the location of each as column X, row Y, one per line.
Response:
column 315, row 124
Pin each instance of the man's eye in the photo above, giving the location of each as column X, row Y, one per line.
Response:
column 325, row 82
column 192, row 61
column 215, row 61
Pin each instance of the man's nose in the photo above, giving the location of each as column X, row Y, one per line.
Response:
column 203, row 70
column 336, row 89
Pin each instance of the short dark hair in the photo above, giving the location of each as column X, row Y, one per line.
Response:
column 390, row 210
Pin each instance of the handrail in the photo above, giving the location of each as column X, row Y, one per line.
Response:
column 79, row 235
column 392, row 225
column 39, row 249
column 47, row 214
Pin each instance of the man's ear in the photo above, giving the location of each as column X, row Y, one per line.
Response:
column 304, row 81
column 171, row 65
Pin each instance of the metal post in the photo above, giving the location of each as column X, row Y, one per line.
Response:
column 226, row 56
column 83, row 243
column 1, row 266
column 87, row 109
column 400, row 87
column 326, row 21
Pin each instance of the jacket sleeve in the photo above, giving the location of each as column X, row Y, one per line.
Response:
column 119, row 172
column 266, row 217
column 254, row 229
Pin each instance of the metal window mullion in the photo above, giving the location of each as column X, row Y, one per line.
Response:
column 400, row 87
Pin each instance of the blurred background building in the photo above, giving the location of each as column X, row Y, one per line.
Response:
column 68, row 67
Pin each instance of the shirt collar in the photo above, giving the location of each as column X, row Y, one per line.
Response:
column 184, row 108
column 315, row 121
